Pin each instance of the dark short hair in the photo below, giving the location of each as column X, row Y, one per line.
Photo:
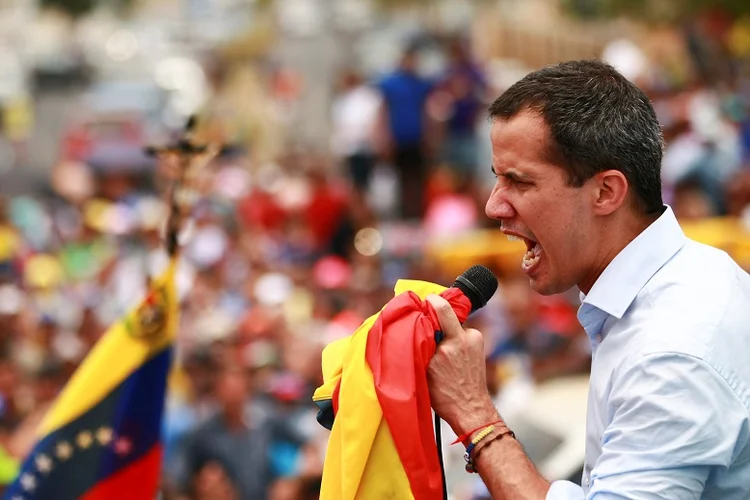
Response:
column 598, row 121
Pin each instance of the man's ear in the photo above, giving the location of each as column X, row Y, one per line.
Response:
column 610, row 190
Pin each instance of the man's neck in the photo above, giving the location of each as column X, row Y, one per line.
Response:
column 617, row 233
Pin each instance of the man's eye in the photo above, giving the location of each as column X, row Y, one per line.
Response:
column 515, row 181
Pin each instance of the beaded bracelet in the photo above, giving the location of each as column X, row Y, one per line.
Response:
column 482, row 434
column 464, row 437
column 470, row 467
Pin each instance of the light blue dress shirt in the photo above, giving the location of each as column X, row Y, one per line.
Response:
column 669, row 398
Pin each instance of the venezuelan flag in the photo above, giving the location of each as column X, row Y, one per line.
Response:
column 375, row 401
column 101, row 438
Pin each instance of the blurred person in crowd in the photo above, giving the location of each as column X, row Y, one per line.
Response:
column 738, row 194
column 212, row 482
column 459, row 99
column 237, row 440
column 577, row 152
column 10, row 416
column 17, row 125
column 452, row 208
column 32, row 349
column 189, row 404
column 46, row 383
column 354, row 116
column 712, row 125
column 90, row 328
column 403, row 128
column 690, row 200
column 12, row 307
column 10, row 244
column 326, row 206
column 541, row 333
column 10, row 413
column 297, row 246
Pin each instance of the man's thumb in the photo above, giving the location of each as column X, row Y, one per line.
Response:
column 449, row 324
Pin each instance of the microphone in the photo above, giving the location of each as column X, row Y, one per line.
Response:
column 478, row 284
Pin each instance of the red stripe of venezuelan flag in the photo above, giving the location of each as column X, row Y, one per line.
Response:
column 382, row 442
column 136, row 481
column 101, row 439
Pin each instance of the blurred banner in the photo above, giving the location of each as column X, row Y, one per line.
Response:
column 101, row 439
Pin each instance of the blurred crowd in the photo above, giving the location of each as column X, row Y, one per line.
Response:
column 284, row 255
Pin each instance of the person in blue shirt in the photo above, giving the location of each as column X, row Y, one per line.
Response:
column 405, row 93
column 463, row 89
column 577, row 149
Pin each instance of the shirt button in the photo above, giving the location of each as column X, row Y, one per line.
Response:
column 586, row 480
column 599, row 338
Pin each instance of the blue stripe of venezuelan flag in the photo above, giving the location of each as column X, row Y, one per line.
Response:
column 101, row 438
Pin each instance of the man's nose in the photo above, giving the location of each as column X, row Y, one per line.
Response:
column 498, row 207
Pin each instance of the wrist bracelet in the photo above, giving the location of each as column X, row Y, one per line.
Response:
column 470, row 466
column 464, row 437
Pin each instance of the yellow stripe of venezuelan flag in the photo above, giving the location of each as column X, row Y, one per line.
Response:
column 123, row 348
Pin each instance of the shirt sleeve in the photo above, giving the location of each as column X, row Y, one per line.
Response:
column 673, row 419
column 565, row 490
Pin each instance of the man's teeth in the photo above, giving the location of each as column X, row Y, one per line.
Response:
column 532, row 256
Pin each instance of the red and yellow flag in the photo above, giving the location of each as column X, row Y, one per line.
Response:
column 382, row 442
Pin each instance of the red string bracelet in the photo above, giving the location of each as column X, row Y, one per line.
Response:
column 464, row 437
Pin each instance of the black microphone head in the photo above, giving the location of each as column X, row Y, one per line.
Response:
column 479, row 284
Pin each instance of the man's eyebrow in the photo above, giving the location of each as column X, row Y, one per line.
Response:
column 513, row 174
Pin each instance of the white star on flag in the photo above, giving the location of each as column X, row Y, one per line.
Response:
column 43, row 463
column 63, row 450
column 122, row 446
column 84, row 439
column 104, row 435
column 28, row 482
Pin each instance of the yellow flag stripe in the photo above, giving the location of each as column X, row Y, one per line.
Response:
column 384, row 475
column 114, row 357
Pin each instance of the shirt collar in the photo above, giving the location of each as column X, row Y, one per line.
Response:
column 630, row 270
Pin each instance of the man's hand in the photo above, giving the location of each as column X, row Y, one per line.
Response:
column 457, row 379
column 457, row 376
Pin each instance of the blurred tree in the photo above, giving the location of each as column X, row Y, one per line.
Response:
column 400, row 4
column 653, row 10
column 75, row 8
column 78, row 8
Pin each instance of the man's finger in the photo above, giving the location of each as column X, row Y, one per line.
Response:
column 474, row 336
column 449, row 323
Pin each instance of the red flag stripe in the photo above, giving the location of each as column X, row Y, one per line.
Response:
column 138, row 481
